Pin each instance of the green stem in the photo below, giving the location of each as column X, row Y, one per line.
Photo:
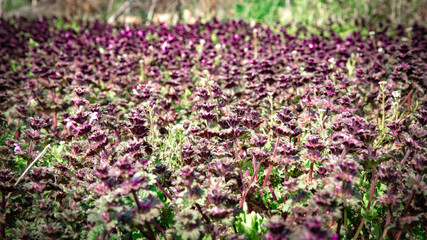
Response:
column 30, row 151
column 345, row 216
column 371, row 194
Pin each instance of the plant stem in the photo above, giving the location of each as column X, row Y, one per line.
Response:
column 371, row 194
column 135, row 197
column 144, row 233
column 150, row 231
column 30, row 150
column 295, row 110
column 405, row 210
column 35, row 160
column 371, row 191
column 245, row 191
column 203, row 214
column 359, row 228
column 272, row 193
column 387, row 221
column 104, row 235
column 117, row 134
column 150, row 234
column 310, row 173
column 398, row 235
column 370, row 92
column 408, row 203
column 405, row 157
column 235, row 149
column 408, row 97
column 159, row 227
column 105, row 153
column 383, row 112
column 270, row 167
column 339, row 228
column 345, row 216
column 3, row 207
column 151, row 124
column 234, row 228
column 164, row 191
column 55, row 121
column 255, row 42
column 343, row 211
column 286, row 173
column 344, row 152
column 255, row 169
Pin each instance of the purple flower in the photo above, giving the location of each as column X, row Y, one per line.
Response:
column 314, row 142
column 18, row 149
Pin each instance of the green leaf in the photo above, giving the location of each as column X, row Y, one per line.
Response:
column 377, row 230
column 187, row 92
column 136, row 235
column 365, row 199
column 59, row 23
column 56, row 152
column 371, row 213
column 381, row 188
column 307, row 164
column 32, row 43
column 94, row 232
column 250, row 224
column 274, row 205
column 207, row 237
column 21, row 163
column 239, row 8
column 287, row 206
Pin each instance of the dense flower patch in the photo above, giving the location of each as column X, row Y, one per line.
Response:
column 211, row 131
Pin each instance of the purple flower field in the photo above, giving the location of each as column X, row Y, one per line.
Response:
column 217, row 130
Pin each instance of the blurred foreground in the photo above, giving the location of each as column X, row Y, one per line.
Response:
column 319, row 12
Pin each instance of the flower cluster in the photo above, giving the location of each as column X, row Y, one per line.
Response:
column 219, row 130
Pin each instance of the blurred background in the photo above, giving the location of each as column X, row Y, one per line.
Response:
column 366, row 13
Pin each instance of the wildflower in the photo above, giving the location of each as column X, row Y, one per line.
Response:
column 17, row 149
